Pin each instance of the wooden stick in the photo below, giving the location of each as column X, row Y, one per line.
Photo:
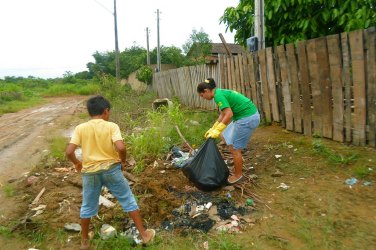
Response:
column 36, row 200
column 182, row 137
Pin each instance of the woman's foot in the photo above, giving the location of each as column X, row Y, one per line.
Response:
column 233, row 179
column 149, row 236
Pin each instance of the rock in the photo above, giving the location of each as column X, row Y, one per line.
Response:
column 277, row 174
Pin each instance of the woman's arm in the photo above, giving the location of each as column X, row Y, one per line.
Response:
column 225, row 116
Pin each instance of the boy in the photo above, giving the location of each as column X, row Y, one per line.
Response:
column 103, row 157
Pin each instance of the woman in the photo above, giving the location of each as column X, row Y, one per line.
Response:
column 238, row 119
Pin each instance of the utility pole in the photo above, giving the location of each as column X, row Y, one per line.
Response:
column 158, row 45
column 117, row 59
column 259, row 23
column 147, row 47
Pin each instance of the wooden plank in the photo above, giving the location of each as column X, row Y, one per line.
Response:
column 326, row 88
column 241, row 74
column 295, row 93
column 371, row 85
column 222, row 70
column 359, row 81
column 348, row 86
column 272, row 84
column 247, row 84
column 229, row 78
column 305, row 88
column 236, row 75
column 285, row 87
column 278, row 85
column 252, row 78
column 316, row 90
column 337, row 86
column 264, row 86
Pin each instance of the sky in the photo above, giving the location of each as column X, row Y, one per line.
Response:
column 47, row 38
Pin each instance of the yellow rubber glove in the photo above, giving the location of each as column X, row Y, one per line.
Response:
column 210, row 130
column 217, row 130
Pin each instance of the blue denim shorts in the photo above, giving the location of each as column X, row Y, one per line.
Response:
column 115, row 181
column 238, row 133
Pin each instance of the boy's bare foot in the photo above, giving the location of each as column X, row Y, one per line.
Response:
column 149, row 236
column 85, row 244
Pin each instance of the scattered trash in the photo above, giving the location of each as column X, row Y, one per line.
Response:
column 228, row 195
column 205, row 245
column 105, row 202
column 72, row 227
column 162, row 171
column 62, row 169
column 278, row 156
column 367, row 183
column 107, row 231
column 39, row 210
column 351, row 181
column 283, row 186
column 250, row 202
column 253, row 177
column 290, row 146
column 132, row 234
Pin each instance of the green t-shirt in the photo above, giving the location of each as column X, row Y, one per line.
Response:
column 240, row 105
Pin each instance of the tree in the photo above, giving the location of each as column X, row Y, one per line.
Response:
column 131, row 59
column 197, row 47
column 169, row 55
column 145, row 74
column 288, row 21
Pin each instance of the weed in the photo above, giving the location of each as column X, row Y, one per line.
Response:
column 9, row 191
column 6, row 232
column 57, row 146
column 339, row 159
column 361, row 172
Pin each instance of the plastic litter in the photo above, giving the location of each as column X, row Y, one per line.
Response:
column 72, row 227
column 250, row 202
column 367, row 183
column 351, row 181
column 107, row 231
column 283, row 186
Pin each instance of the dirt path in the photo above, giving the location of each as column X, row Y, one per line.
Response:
column 24, row 137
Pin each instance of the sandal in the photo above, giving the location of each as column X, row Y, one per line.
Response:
column 236, row 180
column 152, row 231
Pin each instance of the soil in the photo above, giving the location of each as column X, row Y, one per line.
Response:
column 316, row 208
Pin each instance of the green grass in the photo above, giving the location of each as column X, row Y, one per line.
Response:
column 57, row 147
column 21, row 93
column 9, row 191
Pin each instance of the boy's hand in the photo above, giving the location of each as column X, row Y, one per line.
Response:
column 78, row 166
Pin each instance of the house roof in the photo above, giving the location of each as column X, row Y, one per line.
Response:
column 219, row 48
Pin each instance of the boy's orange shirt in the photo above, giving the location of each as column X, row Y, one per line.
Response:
column 96, row 139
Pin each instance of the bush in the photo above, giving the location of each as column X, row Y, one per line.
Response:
column 145, row 74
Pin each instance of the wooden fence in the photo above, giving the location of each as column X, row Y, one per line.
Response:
column 324, row 86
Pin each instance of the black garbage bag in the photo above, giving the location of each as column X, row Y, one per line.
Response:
column 207, row 169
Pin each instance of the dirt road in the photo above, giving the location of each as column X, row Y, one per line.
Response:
column 24, row 136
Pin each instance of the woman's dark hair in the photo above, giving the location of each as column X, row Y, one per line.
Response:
column 209, row 83
column 97, row 105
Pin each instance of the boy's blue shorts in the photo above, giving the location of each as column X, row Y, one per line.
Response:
column 114, row 180
column 238, row 133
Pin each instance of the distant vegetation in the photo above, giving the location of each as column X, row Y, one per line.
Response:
column 17, row 93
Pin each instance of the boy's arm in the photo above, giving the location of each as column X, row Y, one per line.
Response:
column 69, row 152
column 121, row 151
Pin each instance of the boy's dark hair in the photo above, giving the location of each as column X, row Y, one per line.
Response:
column 97, row 105
column 209, row 83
